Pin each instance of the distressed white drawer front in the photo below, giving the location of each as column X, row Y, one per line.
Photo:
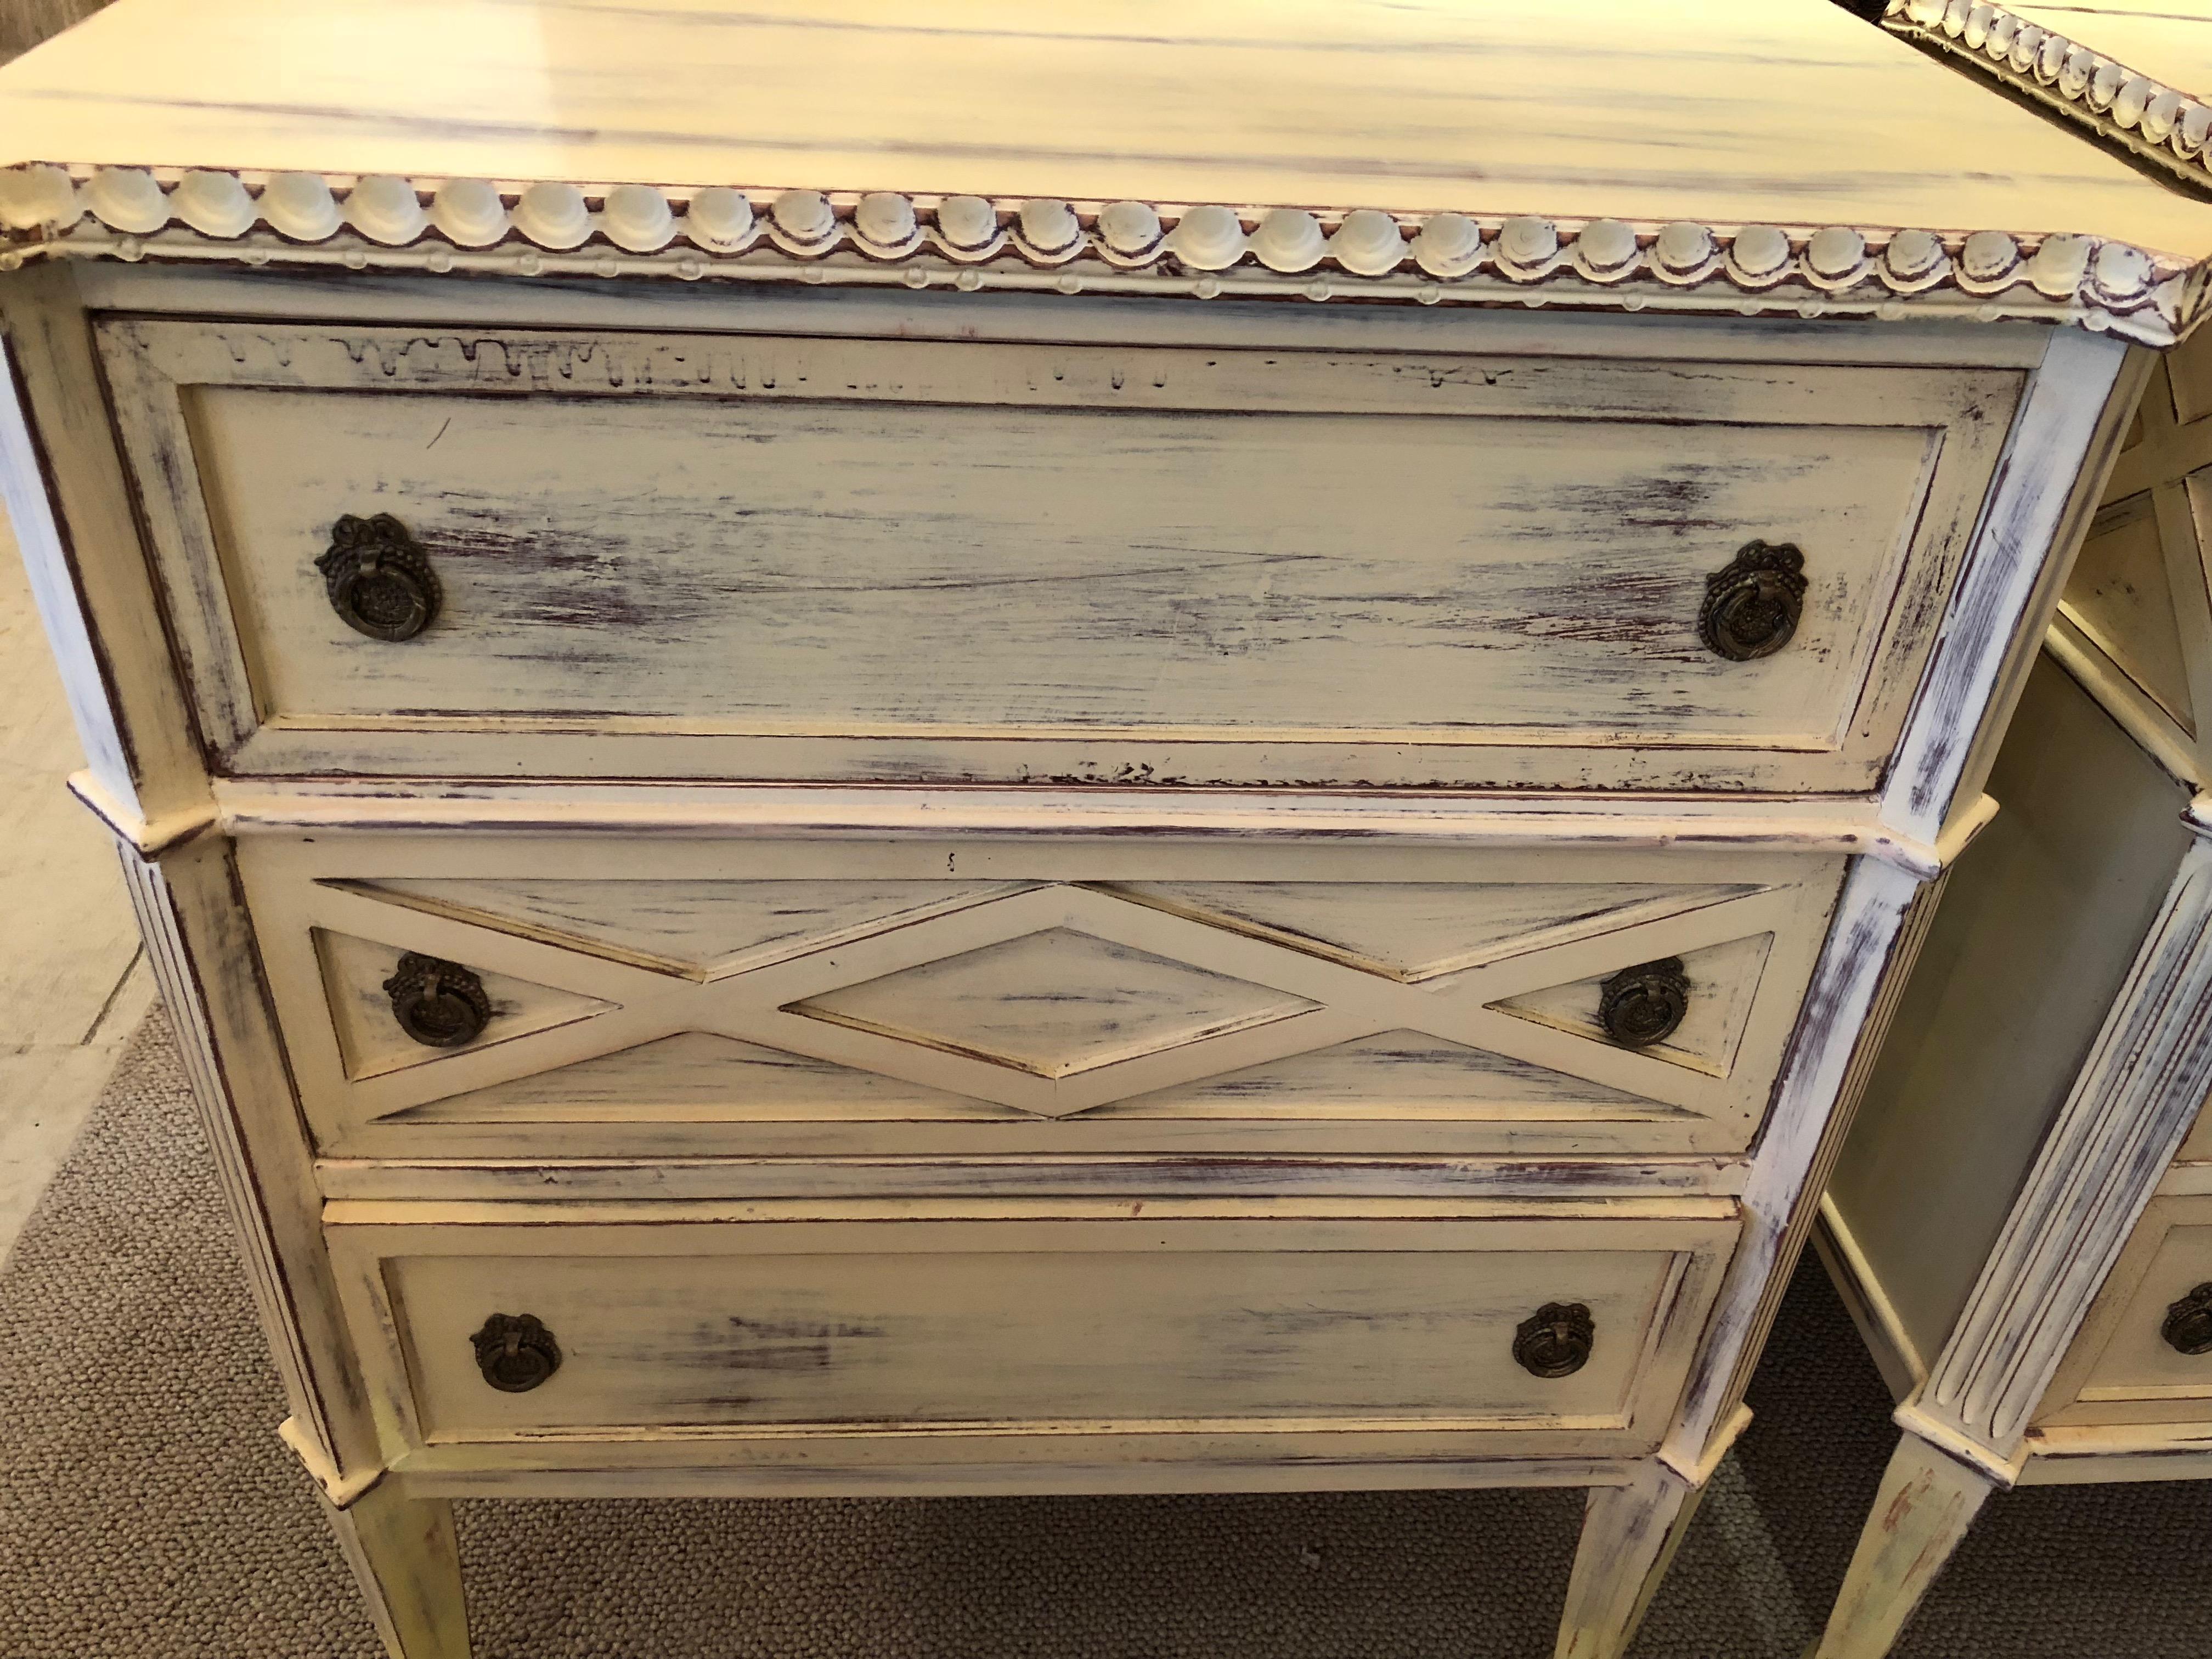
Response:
column 1186, row 1322
column 701, row 998
column 2129, row 1362
column 770, row 558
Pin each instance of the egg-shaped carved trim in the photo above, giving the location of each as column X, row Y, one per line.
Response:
column 2119, row 106
column 631, row 228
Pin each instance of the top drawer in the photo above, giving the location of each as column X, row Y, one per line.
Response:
column 783, row 558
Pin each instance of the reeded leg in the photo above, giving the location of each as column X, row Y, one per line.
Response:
column 1928, row 1500
column 408, row 1563
column 1630, row 1534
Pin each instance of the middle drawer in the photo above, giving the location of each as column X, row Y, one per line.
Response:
column 495, row 997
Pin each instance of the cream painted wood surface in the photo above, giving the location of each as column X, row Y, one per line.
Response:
column 1177, row 1318
column 2197, row 1149
column 2040, row 923
column 2056, row 1051
column 2120, row 1368
column 406, row 1559
column 823, row 312
column 2122, row 79
column 1219, row 101
column 1323, row 1057
column 980, row 999
column 1926, row 1502
column 1630, row 1534
column 1195, row 567
column 2136, row 624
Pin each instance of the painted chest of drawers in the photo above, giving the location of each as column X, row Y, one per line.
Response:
column 868, row 789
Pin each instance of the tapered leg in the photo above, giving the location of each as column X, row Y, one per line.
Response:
column 408, row 1563
column 1928, row 1500
column 1630, row 1534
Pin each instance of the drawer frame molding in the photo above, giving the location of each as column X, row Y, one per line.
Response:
column 277, row 698
column 1691, row 1237
column 306, row 892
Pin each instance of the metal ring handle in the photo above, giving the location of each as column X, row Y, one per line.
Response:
column 441, row 1005
column 516, row 1352
column 1642, row 1004
column 379, row 579
column 1555, row 1340
column 2187, row 1327
column 1753, row 606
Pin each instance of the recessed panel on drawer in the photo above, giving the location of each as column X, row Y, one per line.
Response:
column 1545, row 1324
column 495, row 996
column 798, row 558
column 2145, row 1354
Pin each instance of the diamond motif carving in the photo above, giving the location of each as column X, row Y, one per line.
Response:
column 1059, row 998
column 1055, row 1002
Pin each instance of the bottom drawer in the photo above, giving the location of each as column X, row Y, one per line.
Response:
column 2145, row 1354
column 1533, row 1330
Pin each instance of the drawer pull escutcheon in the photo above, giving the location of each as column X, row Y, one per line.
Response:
column 1752, row 607
column 2188, row 1327
column 1640, row 1006
column 441, row 1005
column 516, row 1352
column 379, row 578
column 1556, row 1339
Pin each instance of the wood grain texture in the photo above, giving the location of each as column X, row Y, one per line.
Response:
column 355, row 972
column 68, row 502
column 998, row 819
column 199, row 943
column 2062, row 446
column 1085, row 1130
column 1880, row 921
column 2076, row 62
column 1927, row 1501
column 1210, row 1464
column 1225, row 95
column 1149, row 567
column 1066, row 990
column 899, row 1319
column 1629, row 1537
column 406, row 1562
column 1019, row 1175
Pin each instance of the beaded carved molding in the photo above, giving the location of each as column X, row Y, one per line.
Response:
column 2120, row 105
column 968, row 242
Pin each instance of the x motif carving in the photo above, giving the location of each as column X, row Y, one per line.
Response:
column 757, row 1005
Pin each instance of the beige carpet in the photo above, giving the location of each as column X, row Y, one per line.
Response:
column 147, row 1510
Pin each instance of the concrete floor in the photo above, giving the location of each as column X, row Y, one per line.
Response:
column 73, row 983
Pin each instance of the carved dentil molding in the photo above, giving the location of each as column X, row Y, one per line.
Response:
column 969, row 242
column 2123, row 106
